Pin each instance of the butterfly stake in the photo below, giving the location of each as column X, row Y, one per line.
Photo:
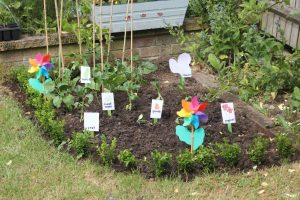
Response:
column 181, row 67
column 190, row 131
column 40, row 65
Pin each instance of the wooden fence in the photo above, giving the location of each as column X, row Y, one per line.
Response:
column 280, row 23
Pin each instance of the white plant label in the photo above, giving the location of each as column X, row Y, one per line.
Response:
column 108, row 101
column 228, row 113
column 156, row 108
column 85, row 74
column 91, row 121
column 182, row 66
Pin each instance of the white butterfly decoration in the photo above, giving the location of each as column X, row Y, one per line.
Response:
column 182, row 66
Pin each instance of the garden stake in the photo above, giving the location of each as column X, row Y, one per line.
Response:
column 43, row 82
column 101, row 37
column 125, row 31
column 78, row 27
column 229, row 127
column 94, row 32
column 110, row 27
column 57, row 21
column 60, row 27
column 46, row 28
column 131, row 39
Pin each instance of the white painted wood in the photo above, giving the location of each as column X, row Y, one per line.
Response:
column 294, row 35
column 147, row 15
column 281, row 28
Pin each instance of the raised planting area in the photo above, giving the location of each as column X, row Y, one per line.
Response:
column 152, row 147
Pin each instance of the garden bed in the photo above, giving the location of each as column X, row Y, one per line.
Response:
column 144, row 138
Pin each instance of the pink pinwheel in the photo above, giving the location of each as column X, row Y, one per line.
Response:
column 198, row 109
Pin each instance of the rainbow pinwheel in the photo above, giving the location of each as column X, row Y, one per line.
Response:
column 193, row 114
column 40, row 65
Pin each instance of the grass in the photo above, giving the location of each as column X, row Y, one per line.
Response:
column 30, row 168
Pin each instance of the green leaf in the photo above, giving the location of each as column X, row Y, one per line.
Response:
column 57, row 101
column 69, row 100
column 215, row 62
column 148, row 67
column 50, row 86
column 90, row 98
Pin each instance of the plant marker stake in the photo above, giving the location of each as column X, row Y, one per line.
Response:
column 192, row 142
column 110, row 27
column 229, row 127
column 78, row 27
column 125, row 31
column 94, row 32
column 46, row 28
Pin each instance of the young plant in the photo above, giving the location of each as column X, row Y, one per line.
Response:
column 205, row 156
column 106, row 151
column 258, row 149
column 80, row 142
column 127, row 159
column 160, row 162
column 186, row 161
column 190, row 132
column 284, row 145
column 229, row 152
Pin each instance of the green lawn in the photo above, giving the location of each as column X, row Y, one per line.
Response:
column 30, row 168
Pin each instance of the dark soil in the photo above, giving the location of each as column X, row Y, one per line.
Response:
column 143, row 138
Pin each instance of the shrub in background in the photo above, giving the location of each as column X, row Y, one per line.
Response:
column 127, row 158
column 284, row 144
column 107, row 151
column 185, row 161
column 205, row 156
column 80, row 142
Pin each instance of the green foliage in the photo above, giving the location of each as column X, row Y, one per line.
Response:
column 80, row 142
column 229, row 152
column 186, row 161
column 6, row 17
column 257, row 150
column 107, row 151
column 284, row 145
column 205, row 156
column 160, row 162
column 127, row 158
column 295, row 99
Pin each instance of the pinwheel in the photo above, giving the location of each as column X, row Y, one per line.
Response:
column 40, row 65
column 192, row 113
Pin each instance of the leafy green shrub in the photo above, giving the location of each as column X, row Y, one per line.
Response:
column 205, row 156
column 80, row 142
column 127, row 158
column 106, row 151
column 229, row 152
column 284, row 145
column 160, row 162
column 257, row 150
column 185, row 161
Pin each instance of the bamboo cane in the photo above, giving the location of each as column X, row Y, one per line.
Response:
column 46, row 28
column 125, row 31
column 78, row 27
column 131, row 39
column 58, row 33
column 94, row 32
column 101, row 36
column 60, row 30
column 110, row 27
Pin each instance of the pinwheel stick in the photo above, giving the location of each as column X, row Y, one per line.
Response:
column 125, row 31
column 193, row 138
column 44, row 89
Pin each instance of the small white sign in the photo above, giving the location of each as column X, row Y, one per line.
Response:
column 85, row 74
column 91, row 121
column 156, row 108
column 182, row 66
column 108, row 101
column 228, row 113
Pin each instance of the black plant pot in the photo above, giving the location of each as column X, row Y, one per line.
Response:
column 10, row 32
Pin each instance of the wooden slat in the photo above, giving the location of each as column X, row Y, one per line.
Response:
column 275, row 25
column 287, row 31
column 294, row 35
column 280, row 33
column 293, row 3
column 270, row 23
column 264, row 21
